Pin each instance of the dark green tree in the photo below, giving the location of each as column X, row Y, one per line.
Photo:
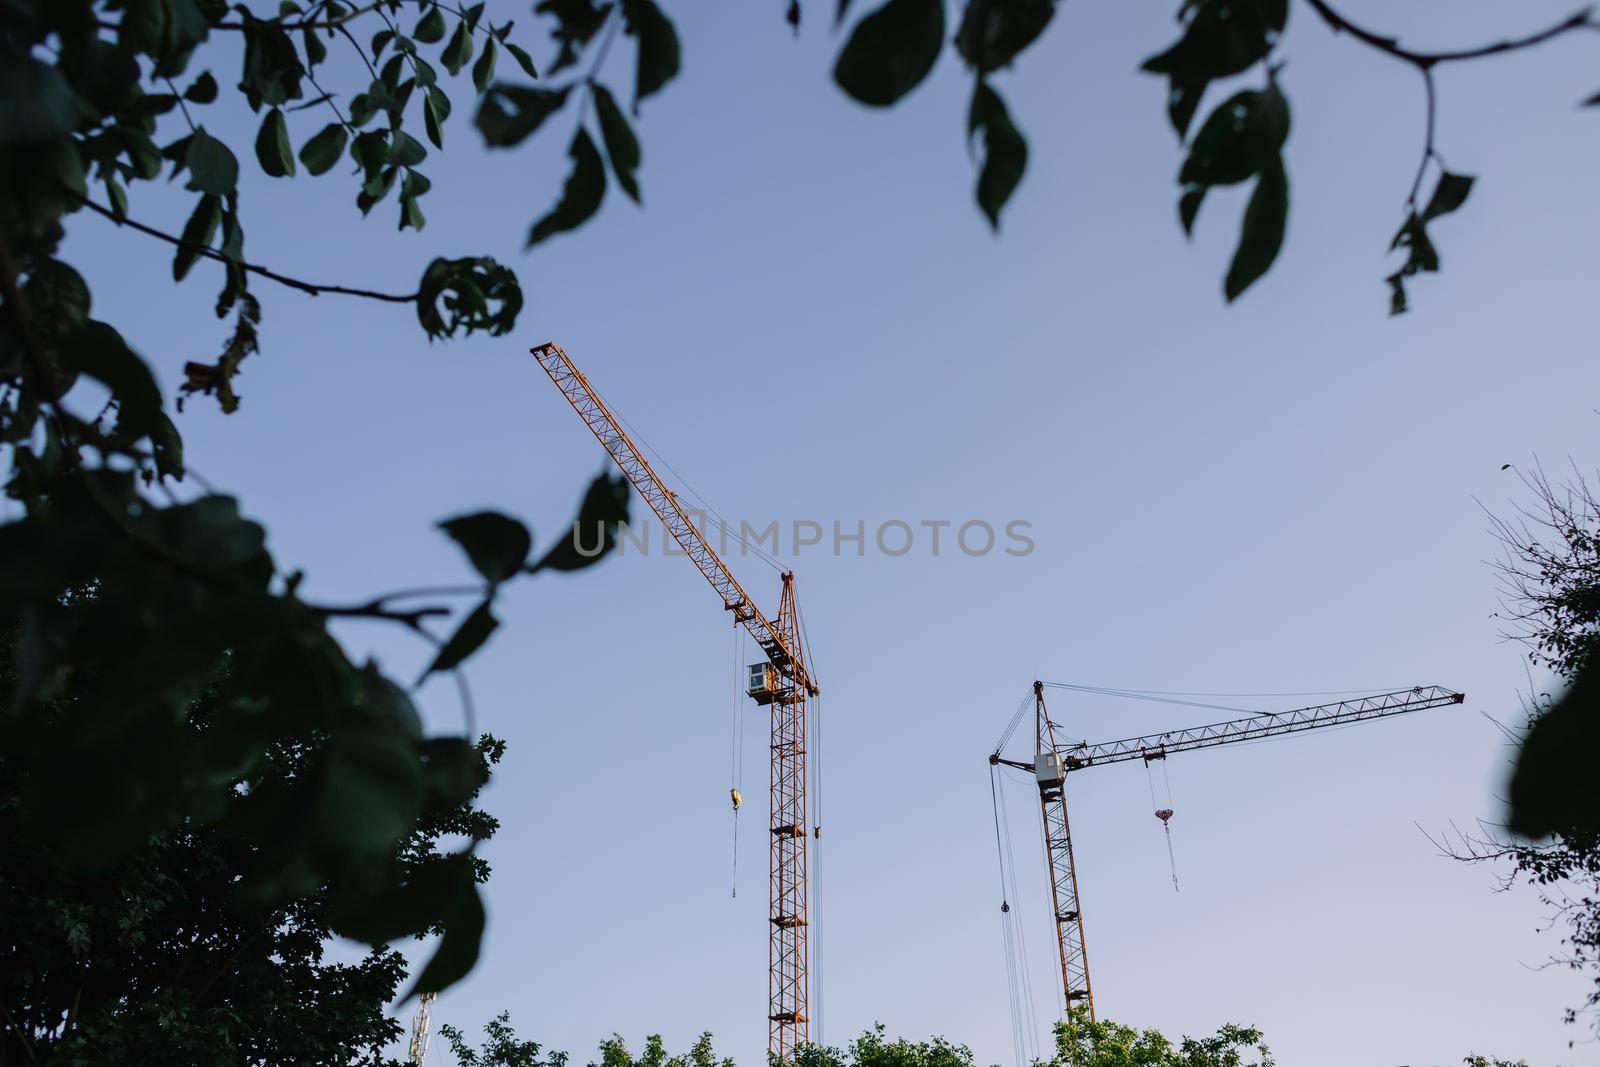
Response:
column 96, row 97
column 156, row 958
column 873, row 1048
column 1550, row 600
column 1104, row 1043
column 501, row 1047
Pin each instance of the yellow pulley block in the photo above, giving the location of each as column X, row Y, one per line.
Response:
column 737, row 798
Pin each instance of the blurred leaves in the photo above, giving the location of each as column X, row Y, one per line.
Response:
column 510, row 113
column 891, row 50
column 497, row 544
column 1220, row 38
column 580, row 198
column 1005, row 152
column 1243, row 138
column 476, row 293
column 593, row 533
column 1552, row 785
column 659, row 53
column 1412, row 238
column 993, row 32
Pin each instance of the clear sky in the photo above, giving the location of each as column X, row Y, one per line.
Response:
column 812, row 321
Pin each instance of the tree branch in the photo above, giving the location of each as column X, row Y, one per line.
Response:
column 1391, row 45
column 313, row 289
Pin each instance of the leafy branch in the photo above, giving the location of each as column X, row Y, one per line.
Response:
column 310, row 288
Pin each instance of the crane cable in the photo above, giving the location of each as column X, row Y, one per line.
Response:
column 1019, row 981
column 816, row 862
column 736, row 768
column 1163, row 813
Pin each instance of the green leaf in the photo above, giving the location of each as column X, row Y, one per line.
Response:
column 168, row 444
column 458, row 53
column 212, row 166
column 1005, row 151
column 272, row 69
column 39, row 104
column 1448, row 195
column 1222, row 153
column 509, row 114
column 316, row 51
column 458, row 949
column 1261, row 235
column 659, row 51
column 57, row 295
column 203, row 91
column 435, row 110
column 524, row 60
column 993, row 32
column 483, row 69
column 593, row 533
column 197, row 235
column 1189, row 207
column 431, row 27
column 406, row 151
column 497, row 544
column 621, row 144
column 580, row 198
column 468, row 638
column 455, row 770
column 891, row 50
column 1552, row 786
column 321, row 152
column 410, row 908
column 272, row 146
column 478, row 293
column 99, row 351
column 369, row 793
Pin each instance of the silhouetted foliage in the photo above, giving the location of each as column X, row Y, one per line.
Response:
column 1104, row 1043
column 158, row 956
column 891, row 49
column 97, row 97
column 1550, row 596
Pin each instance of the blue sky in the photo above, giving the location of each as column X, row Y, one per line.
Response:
column 811, row 321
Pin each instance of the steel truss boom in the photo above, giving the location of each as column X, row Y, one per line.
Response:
column 1254, row 727
column 780, row 641
column 1054, row 761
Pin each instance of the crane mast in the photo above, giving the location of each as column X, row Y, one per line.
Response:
column 791, row 682
column 1053, row 761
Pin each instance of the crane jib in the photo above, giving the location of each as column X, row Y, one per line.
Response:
column 608, row 429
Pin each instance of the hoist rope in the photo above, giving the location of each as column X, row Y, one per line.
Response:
column 1016, row 720
column 1006, row 913
column 816, row 861
column 736, row 770
column 1026, row 1011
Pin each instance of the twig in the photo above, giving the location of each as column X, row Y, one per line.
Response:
column 374, row 609
column 313, row 289
column 181, row 105
column 1428, row 150
column 1391, row 45
column 22, row 1035
column 334, row 23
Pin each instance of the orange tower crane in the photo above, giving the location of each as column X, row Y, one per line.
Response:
column 1054, row 760
column 783, row 684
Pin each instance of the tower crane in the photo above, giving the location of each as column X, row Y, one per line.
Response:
column 783, row 683
column 1054, row 760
